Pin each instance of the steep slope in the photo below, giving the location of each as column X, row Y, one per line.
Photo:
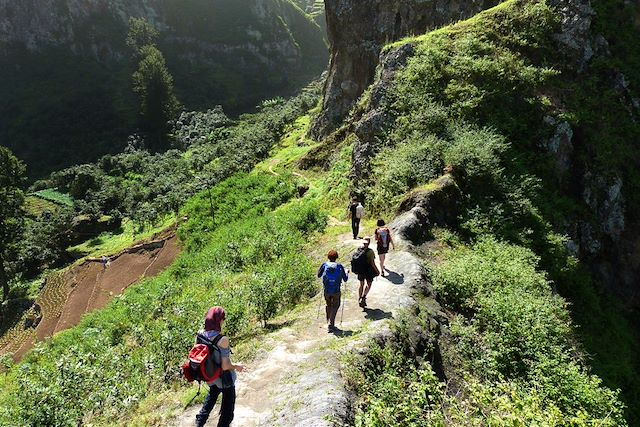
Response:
column 65, row 74
column 526, row 107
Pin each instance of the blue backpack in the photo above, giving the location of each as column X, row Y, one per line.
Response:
column 332, row 277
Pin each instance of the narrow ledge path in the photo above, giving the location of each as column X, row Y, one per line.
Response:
column 297, row 381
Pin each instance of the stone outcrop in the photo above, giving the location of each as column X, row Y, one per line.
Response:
column 437, row 204
column 358, row 30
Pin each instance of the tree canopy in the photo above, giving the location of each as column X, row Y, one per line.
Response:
column 11, row 215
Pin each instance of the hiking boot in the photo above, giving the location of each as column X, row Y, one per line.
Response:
column 363, row 302
column 331, row 328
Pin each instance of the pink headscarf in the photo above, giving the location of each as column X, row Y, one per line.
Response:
column 214, row 317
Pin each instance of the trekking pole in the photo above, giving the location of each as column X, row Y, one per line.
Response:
column 194, row 397
column 344, row 298
column 319, row 304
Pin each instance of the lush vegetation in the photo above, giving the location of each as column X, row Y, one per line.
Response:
column 472, row 99
column 104, row 207
column 146, row 187
column 510, row 356
column 115, row 358
column 79, row 99
column 152, row 83
column 11, row 199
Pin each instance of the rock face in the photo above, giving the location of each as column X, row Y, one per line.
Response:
column 357, row 33
column 65, row 73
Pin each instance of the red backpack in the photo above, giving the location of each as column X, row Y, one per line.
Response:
column 201, row 364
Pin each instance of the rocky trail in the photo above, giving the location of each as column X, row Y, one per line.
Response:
column 296, row 380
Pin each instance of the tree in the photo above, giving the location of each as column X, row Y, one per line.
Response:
column 152, row 82
column 141, row 34
column 11, row 214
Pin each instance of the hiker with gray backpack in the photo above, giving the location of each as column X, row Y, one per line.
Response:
column 363, row 263
column 333, row 274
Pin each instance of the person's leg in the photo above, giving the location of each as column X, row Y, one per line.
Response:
column 366, row 291
column 335, row 305
column 208, row 405
column 327, row 308
column 360, row 289
column 382, row 257
column 227, row 406
column 354, row 227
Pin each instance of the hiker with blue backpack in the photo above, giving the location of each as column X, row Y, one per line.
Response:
column 224, row 384
column 333, row 274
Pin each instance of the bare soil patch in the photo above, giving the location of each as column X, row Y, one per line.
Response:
column 89, row 286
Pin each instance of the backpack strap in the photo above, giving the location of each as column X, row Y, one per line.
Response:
column 209, row 342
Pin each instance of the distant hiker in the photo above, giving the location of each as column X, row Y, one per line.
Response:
column 225, row 384
column 356, row 213
column 383, row 239
column 333, row 274
column 364, row 265
column 104, row 261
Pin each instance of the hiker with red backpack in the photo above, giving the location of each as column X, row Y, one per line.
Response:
column 224, row 383
column 383, row 240
column 363, row 264
column 333, row 274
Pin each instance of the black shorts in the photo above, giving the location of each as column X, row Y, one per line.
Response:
column 368, row 276
column 382, row 250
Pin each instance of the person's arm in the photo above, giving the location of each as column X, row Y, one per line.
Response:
column 345, row 275
column 393, row 245
column 372, row 262
column 321, row 270
column 223, row 344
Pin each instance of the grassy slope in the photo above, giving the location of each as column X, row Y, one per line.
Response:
column 473, row 96
column 179, row 295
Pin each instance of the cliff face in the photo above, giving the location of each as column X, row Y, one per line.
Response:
column 357, row 33
column 64, row 65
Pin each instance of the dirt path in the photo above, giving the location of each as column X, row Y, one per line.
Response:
column 88, row 287
column 297, row 382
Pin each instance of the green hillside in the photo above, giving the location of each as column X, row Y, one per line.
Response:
column 71, row 101
column 471, row 98
column 509, row 328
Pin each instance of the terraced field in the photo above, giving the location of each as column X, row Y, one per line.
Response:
column 70, row 294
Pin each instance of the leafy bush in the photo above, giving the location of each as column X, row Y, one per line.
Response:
column 392, row 388
column 515, row 329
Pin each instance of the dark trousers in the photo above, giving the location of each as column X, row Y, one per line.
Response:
column 355, row 226
column 333, row 304
column 226, row 407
